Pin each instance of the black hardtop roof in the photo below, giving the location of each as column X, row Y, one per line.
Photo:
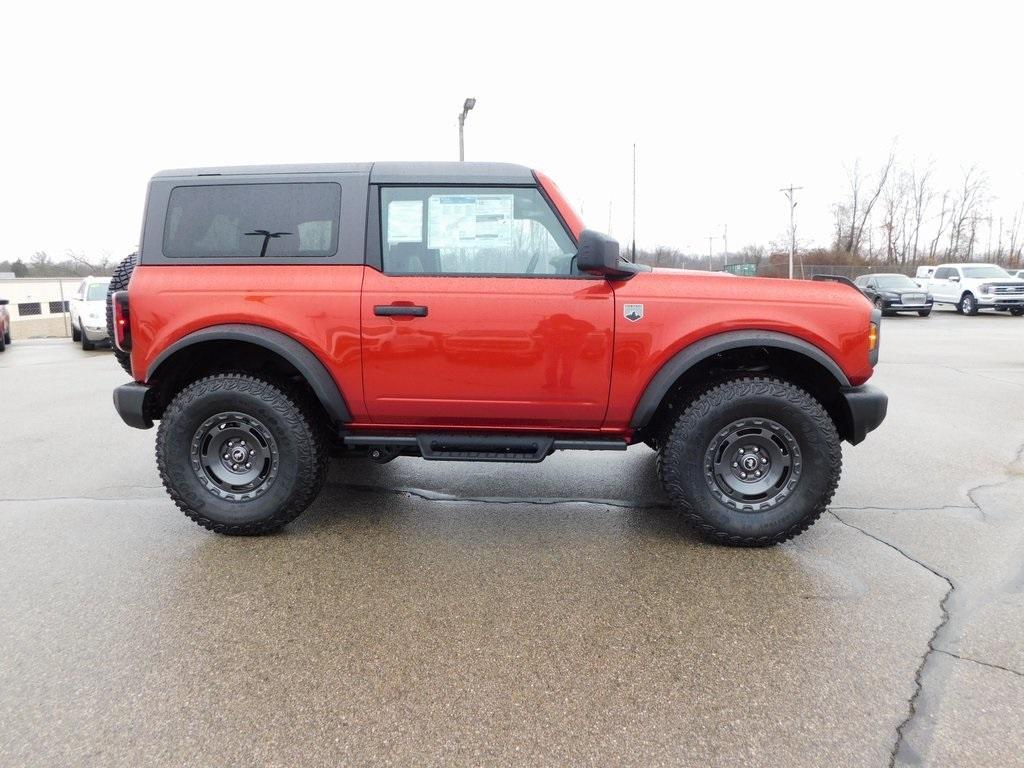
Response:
column 380, row 173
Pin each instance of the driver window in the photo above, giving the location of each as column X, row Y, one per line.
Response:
column 472, row 231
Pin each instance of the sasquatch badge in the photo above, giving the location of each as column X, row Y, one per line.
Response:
column 633, row 312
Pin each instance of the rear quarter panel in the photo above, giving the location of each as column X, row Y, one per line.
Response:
column 317, row 306
column 681, row 308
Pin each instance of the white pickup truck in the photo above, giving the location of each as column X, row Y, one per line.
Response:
column 972, row 287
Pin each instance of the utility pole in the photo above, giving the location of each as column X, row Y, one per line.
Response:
column 634, row 202
column 711, row 239
column 789, row 193
column 467, row 105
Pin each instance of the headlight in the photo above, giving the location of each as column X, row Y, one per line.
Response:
column 890, row 295
column 928, row 297
column 986, row 288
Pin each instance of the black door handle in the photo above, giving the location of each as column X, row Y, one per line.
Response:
column 390, row 310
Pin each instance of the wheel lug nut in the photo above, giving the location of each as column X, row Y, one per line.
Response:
column 242, row 442
column 248, row 465
column 226, row 456
column 735, row 464
column 758, row 473
column 755, row 449
column 743, row 475
column 252, row 452
column 764, row 460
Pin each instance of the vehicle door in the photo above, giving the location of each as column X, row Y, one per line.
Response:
column 941, row 286
column 476, row 315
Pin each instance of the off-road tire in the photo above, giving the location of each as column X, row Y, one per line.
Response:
column 119, row 282
column 76, row 335
column 924, row 312
column 689, row 484
column 299, row 440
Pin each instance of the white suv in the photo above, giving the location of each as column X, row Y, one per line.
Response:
column 970, row 287
column 88, row 310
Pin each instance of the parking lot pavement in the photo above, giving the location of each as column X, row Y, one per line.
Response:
column 436, row 613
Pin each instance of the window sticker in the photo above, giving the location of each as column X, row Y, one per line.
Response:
column 469, row 221
column 405, row 221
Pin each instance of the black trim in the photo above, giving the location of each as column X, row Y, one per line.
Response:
column 670, row 372
column 304, row 361
column 130, row 404
column 866, row 407
column 393, row 310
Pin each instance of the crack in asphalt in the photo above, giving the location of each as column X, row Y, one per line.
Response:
column 900, row 744
column 426, row 495
column 981, row 663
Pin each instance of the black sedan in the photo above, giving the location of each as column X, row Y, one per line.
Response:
column 895, row 293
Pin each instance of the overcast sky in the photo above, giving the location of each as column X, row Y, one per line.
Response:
column 726, row 103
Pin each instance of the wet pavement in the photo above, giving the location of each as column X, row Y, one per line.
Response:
column 471, row 614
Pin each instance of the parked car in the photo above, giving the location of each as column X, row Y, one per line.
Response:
column 972, row 287
column 88, row 311
column 461, row 312
column 5, row 325
column 1019, row 273
column 893, row 293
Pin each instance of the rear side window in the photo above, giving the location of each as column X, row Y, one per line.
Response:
column 253, row 221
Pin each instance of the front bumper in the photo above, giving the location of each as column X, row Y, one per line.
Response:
column 130, row 404
column 94, row 333
column 988, row 301
column 895, row 306
column 866, row 407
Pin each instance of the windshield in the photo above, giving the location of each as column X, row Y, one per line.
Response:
column 97, row 292
column 989, row 270
column 896, row 283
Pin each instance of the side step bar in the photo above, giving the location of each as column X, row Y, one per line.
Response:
column 470, row 447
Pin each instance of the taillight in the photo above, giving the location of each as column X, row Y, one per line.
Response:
column 122, row 322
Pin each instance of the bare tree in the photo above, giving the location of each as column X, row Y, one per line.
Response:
column 854, row 216
column 965, row 212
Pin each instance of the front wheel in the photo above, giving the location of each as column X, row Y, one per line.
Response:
column 752, row 462
column 76, row 335
column 239, row 456
column 924, row 312
column 968, row 304
column 1015, row 311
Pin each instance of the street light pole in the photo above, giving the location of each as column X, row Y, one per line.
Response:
column 467, row 105
column 634, row 202
column 711, row 239
column 789, row 193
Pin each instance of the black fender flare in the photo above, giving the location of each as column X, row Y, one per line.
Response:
column 296, row 353
column 699, row 351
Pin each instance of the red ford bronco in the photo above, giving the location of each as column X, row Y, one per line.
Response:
column 461, row 312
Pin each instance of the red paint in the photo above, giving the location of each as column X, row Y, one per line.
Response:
column 569, row 216
column 499, row 353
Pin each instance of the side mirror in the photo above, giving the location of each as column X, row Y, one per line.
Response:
column 954, row 278
column 598, row 254
column 4, row 302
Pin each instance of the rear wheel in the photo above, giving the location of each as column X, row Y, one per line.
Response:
column 3, row 342
column 1015, row 311
column 239, row 456
column 752, row 462
column 119, row 282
